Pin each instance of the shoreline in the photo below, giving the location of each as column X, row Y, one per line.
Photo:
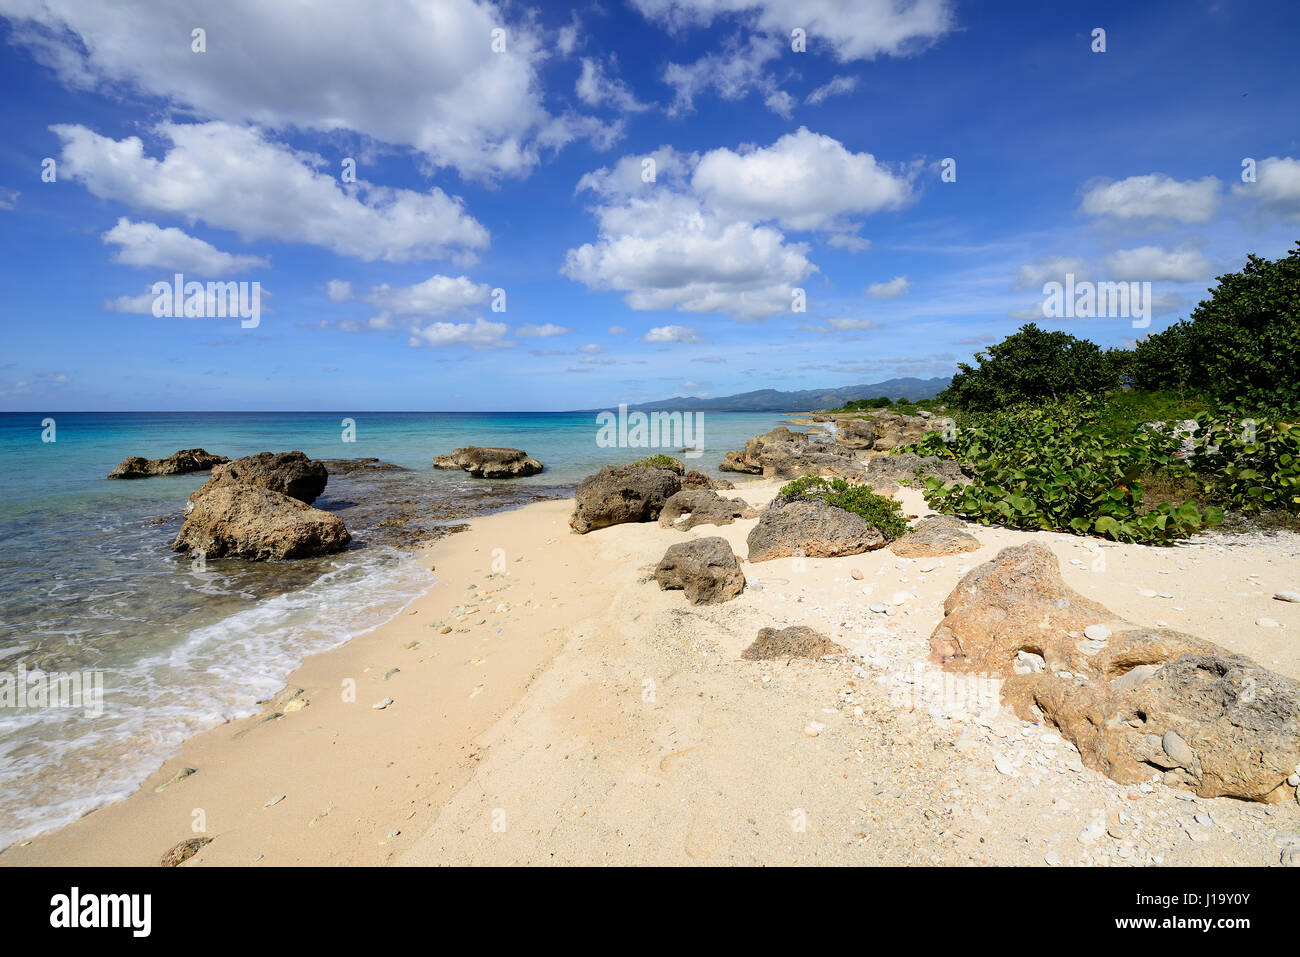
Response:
column 581, row 715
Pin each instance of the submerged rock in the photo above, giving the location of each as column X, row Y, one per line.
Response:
column 622, row 493
column 706, row 569
column 490, row 462
column 178, row 463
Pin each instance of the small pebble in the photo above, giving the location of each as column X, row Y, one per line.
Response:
column 381, row 705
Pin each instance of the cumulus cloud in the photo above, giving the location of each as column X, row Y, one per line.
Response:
column 479, row 334
column 853, row 29
column 896, row 287
column 1154, row 196
column 231, row 178
column 732, row 73
column 436, row 296
column 339, row 290
column 664, row 334
column 1052, row 269
column 1152, row 264
column 804, row 180
column 148, row 245
column 415, row 73
column 545, row 331
column 596, row 88
column 1276, row 187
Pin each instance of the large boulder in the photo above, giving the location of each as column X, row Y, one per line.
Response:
column 289, row 473
column 934, row 536
column 256, row 523
column 889, row 471
column 178, row 463
column 691, row 507
column 1134, row 700
column 490, row 462
column 622, row 493
column 694, row 479
column 810, row 527
column 884, row 430
column 782, row 453
column 706, row 569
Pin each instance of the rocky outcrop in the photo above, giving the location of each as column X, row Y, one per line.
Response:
column 259, row 524
column 691, row 507
column 810, row 527
column 178, row 463
column 797, row 641
column 1134, row 700
column 289, row 473
column 884, row 430
column 934, row 536
column 785, row 454
column 490, row 462
column 622, row 493
column 694, row 479
column 889, row 471
column 704, row 568
column 350, row 466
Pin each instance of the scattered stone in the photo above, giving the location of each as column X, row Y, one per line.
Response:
column 180, row 775
column 183, row 851
column 1266, row 622
column 797, row 641
column 275, row 800
column 622, row 493
column 381, row 705
column 706, row 569
column 691, row 507
column 1287, row 596
column 1096, row 632
column 811, row 528
column 935, row 536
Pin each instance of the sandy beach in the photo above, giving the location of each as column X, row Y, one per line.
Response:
column 551, row 705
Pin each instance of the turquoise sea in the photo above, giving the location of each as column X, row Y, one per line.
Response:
column 88, row 582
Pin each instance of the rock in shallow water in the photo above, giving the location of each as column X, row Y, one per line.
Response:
column 250, row 522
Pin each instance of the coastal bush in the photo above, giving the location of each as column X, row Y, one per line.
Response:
column 880, row 511
column 1034, row 365
column 1252, row 465
column 1054, row 467
column 659, row 461
column 1241, row 345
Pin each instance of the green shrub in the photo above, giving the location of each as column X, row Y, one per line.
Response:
column 880, row 511
column 1253, row 466
column 660, row 461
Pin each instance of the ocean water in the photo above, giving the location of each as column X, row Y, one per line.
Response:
column 88, row 583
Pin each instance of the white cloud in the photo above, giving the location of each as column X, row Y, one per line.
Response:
column 781, row 103
column 8, row 198
column 616, row 331
column 148, row 245
column 596, row 88
column 1053, row 269
column 339, row 290
column 838, row 86
column 684, row 334
column 733, row 74
column 896, row 287
column 545, row 331
column 479, row 334
column 846, row 325
column 854, row 244
column 414, row 73
column 804, row 180
column 591, row 349
column 1152, row 264
column 436, row 296
column 1276, row 186
column 854, row 29
column 231, row 178
column 1154, row 196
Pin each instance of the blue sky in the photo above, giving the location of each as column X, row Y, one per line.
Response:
column 521, row 170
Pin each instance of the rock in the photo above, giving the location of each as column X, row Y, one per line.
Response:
column 348, row 466
column 689, row 508
column 856, row 574
column 785, row 454
column 813, row 728
column 1093, row 830
column 694, row 480
column 706, row 569
column 810, row 527
column 289, row 473
column 934, row 536
column 1288, row 596
column 183, row 851
column 490, row 462
column 247, row 521
column 622, row 493
column 381, row 705
column 1235, row 725
column 888, row 471
column 178, row 463
column 1266, row 622
column 884, row 430
column 797, row 641
column 1096, row 632
column 180, row 775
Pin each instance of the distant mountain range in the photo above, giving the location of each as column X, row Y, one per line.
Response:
column 774, row 400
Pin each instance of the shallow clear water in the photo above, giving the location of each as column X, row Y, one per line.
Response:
column 88, row 582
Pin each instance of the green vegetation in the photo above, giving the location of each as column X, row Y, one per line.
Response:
column 879, row 511
column 901, row 404
column 1056, row 432
column 660, row 461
